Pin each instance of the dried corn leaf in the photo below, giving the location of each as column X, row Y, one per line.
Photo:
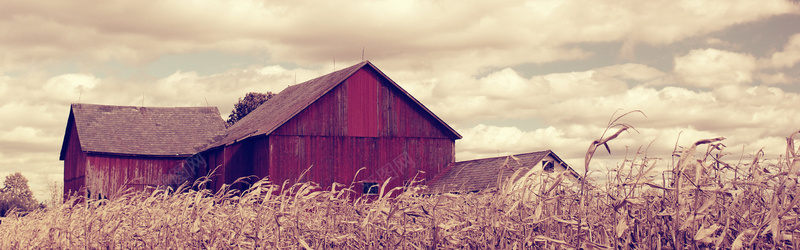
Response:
column 622, row 225
column 304, row 244
column 704, row 234
column 548, row 239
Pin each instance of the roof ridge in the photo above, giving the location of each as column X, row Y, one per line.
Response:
column 498, row 157
column 478, row 174
column 80, row 104
column 247, row 127
column 294, row 99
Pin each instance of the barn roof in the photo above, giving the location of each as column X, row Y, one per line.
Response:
column 154, row 131
column 291, row 101
column 480, row 174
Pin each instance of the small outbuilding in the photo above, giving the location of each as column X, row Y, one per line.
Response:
column 110, row 148
column 481, row 174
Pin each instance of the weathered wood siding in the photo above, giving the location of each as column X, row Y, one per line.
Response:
column 74, row 163
column 241, row 156
column 364, row 122
column 107, row 174
column 238, row 160
column 97, row 174
column 365, row 105
column 362, row 103
column 215, row 163
column 337, row 159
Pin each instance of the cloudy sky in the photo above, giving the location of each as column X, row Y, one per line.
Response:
column 510, row 76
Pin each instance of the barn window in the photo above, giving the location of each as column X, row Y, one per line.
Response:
column 547, row 166
column 371, row 188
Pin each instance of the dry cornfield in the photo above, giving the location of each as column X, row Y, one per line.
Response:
column 704, row 203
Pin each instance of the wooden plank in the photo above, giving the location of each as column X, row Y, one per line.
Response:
column 362, row 104
column 337, row 159
column 108, row 174
column 74, row 163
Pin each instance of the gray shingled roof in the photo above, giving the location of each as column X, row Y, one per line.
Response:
column 154, row 131
column 291, row 101
column 480, row 174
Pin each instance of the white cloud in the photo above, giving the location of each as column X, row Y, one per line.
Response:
column 561, row 86
column 775, row 79
column 713, row 41
column 506, row 84
column 453, row 34
column 24, row 134
column 632, row 71
column 69, row 87
column 505, row 94
column 790, row 54
column 4, row 84
column 746, row 113
column 490, row 141
column 710, row 68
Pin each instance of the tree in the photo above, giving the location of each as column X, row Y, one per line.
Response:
column 16, row 194
column 250, row 102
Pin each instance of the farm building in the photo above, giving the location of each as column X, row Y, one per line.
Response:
column 354, row 125
column 480, row 174
column 337, row 124
column 107, row 148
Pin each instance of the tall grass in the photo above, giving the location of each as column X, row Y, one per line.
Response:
column 703, row 202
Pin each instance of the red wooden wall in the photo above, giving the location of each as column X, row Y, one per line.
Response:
column 337, row 159
column 106, row 174
column 238, row 160
column 216, row 163
column 366, row 105
column 362, row 104
column 74, row 163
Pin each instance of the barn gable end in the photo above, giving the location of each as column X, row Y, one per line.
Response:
column 290, row 102
column 339, row 123
column 74, row 159
column 365, row 105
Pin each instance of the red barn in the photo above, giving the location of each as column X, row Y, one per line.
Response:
column 341, row 122
column 108, row 148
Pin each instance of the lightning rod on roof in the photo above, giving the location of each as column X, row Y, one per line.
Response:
column 334, row 63
column 362, row 53
column 206, row 101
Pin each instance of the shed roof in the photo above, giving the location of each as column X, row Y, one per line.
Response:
column 480, row 174
column 154, row 131
column 291, row 101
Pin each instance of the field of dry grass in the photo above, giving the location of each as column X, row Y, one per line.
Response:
column 705, row 203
